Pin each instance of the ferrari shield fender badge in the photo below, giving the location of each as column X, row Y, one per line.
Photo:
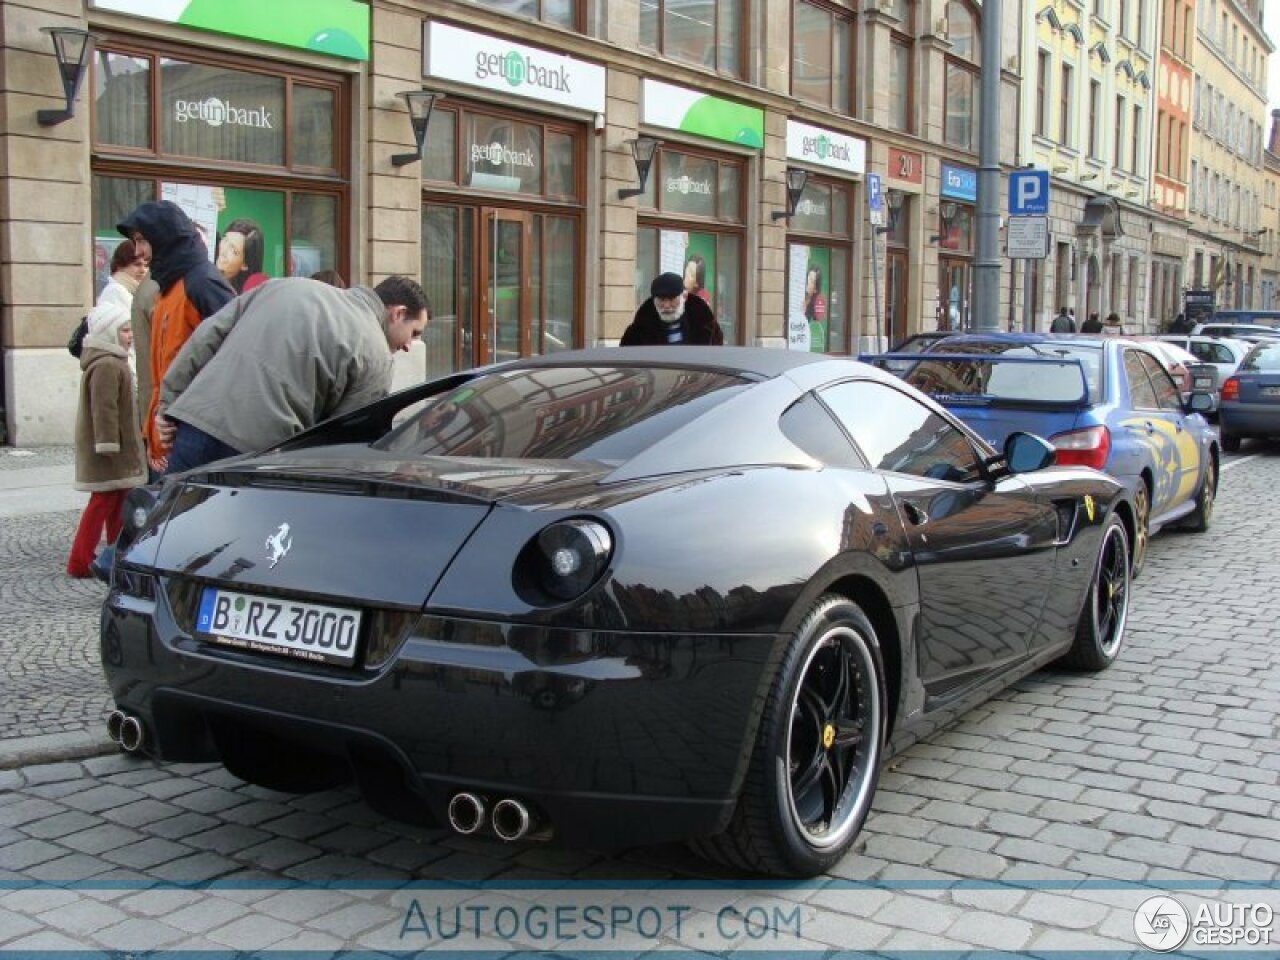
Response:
column 1088, row 509
column 278, row 545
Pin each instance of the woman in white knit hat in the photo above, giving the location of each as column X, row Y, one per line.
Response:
column 109, row 458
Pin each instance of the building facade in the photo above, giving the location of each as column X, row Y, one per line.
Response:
column 517, row 218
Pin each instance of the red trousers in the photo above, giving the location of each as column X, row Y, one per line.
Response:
column 101, row 512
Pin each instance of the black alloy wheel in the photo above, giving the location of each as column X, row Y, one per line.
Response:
column 817, row 756
column 1100, row 629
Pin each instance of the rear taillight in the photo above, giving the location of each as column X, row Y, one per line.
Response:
column 1083, row 448
column 1230, row 389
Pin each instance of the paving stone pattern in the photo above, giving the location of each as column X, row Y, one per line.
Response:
column 1047, row 801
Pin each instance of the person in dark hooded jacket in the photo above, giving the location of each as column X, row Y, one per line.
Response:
column 191, row 289
column 671, row 316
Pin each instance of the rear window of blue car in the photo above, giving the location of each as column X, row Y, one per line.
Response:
column 1265, row 357
column 606, row 414
column 1015, row 382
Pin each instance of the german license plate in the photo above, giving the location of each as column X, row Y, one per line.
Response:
column 307, row 631
column 1270, row 391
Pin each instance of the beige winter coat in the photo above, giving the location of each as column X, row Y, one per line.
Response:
column 108, row 445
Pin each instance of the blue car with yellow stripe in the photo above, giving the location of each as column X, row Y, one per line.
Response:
column 1103, row 402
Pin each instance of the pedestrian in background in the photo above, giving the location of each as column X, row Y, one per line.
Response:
column 1063, row 322
column 1092, row 325
column 108, row 448
column 671, row 316
column 1113, row 327
column 129, row 268
column 280, row 359
column 190, row 289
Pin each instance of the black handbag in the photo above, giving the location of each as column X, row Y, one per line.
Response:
column 76, row 344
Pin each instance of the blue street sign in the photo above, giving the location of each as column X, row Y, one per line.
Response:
column 875, row 198
column 1029, row 193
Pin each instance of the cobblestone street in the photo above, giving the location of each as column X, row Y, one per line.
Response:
column 1059, row 805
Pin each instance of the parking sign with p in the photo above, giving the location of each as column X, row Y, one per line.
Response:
column 1029, row 193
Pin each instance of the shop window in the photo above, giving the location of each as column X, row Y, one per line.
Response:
column 822, row 43
column 501, row 154
column 691, row 224
column 708, row 33
column 818, row 255
column 251, row 155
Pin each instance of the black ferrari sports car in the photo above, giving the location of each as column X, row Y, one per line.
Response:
column 610, row 597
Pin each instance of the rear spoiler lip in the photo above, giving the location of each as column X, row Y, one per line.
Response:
column 961, row 400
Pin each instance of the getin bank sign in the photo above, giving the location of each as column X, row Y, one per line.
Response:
column 511, row 69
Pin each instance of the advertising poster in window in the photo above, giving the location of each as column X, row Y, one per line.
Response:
column 692, row 256
column 242, row 229
column 808, row 280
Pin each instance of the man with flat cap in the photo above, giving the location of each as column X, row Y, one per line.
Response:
column 671, row 316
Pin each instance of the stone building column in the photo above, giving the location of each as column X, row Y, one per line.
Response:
column 45, row 256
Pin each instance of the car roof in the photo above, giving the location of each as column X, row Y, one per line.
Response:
column 759, row 362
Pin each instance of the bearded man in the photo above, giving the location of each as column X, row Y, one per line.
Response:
column 671, row 316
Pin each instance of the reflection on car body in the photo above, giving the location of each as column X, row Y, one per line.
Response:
column 614, row 597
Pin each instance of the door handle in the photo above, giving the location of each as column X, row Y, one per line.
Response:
column 915, row 513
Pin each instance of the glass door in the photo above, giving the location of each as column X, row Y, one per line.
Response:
column 953, row 295
column 505, row 284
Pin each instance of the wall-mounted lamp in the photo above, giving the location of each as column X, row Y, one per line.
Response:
column 1061, row 168
column 895, row 201
column 1131, row 194
column 1050, row 16
column 1088, row 176
column 71, row 45
column 947, row 211
column 797, row 179
column 642, row 151
column 420, row 103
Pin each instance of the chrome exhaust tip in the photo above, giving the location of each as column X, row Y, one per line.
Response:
column 115, row 720
column 466, row 813
column 511, row 819
column 132, row 734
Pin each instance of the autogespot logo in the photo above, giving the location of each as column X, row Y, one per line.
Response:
column 1161, row 924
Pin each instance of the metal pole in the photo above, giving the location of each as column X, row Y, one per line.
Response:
column 986, row 263
column 875, row 281
column 1028, row 320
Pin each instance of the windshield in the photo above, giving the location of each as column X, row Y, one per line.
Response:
column 1089, row 356
column 606, row 414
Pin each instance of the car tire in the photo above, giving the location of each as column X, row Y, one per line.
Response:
column 1230, row 442
column 1141, row 525
column 816, row 761
column 1100, row 629
column 1198, row 520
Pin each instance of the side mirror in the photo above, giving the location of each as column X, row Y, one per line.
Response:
column 1027, row 453
column 1201, row 402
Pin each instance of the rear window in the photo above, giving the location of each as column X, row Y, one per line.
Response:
column 1089, row 355
column 1263, row 357
column 607, row 414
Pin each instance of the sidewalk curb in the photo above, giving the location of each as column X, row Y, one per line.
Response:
column 54, row 748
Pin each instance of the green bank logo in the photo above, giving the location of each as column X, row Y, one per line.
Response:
column 520, row 70
column 513, row 69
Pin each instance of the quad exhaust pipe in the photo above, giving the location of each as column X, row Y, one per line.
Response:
column 466, row 813
column 510, row 819
column 126, row 730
